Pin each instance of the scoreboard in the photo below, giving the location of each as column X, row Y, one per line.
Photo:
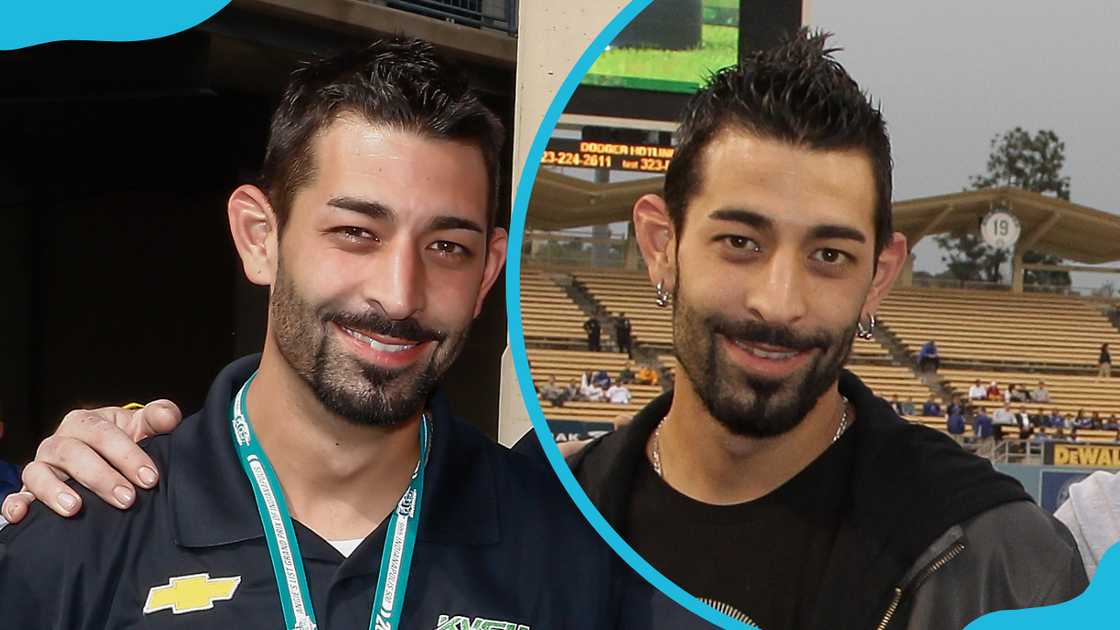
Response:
column 645, row 158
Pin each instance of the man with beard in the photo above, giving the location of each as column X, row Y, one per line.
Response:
column 324, row 483
column 771, row 480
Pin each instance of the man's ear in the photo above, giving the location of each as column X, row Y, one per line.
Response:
column 495, row 260
column 252, row 223
column 891, row 261
column 656, row 238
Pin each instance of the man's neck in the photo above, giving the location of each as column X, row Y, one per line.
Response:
column 339, row 479
column 703, row 460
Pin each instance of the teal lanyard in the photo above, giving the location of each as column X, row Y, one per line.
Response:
column 283, row 547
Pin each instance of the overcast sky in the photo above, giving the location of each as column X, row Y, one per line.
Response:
column 953, row 73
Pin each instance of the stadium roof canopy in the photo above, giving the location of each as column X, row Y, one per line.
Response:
column 1050, row 225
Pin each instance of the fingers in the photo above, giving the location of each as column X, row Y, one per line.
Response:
column 47, row 485
column 159, row 416
column 109, row 451
column 60, row 455
column 16, row 506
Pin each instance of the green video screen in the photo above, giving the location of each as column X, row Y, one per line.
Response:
column 672, row 46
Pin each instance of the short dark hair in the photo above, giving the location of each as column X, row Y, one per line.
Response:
column 797, row 93
column 399, row 82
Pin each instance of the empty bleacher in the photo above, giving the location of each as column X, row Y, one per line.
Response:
column 631, row 293
column 980, row 334
column 549, row 316
column 983, row 327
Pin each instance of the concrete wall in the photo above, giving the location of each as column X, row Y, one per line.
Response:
column 541, row 67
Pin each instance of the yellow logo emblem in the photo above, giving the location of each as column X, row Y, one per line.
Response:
column 190, row 593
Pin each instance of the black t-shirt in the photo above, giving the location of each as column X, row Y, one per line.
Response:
column 768, row 549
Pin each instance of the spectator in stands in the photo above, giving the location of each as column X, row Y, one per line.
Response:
column 601, row 379
column 1111, row 424
column 1003, row 418
column 1003, row 415
column 1023, row 419
column 896, row 404
column 626, row 375
column 594, row 331
column 1039, row 437
column 553, row 392
column 619, row 394
column 931, row 408
column 977, row 391
column 575, row 393
column 589, row 390
column 908, row 407
column 1095, row 422
column 1040, row 419
column 1059, row 435
column 1015, row 393
column 955, row 406
column 1072, row 434
column 993, row 392
column 1082, row 420
column 668, row 380
column 646, row 376
column 954, row 423
column 1040, row 393
column 982, row 426
column 1057, row 420
column 622, row 334
column 1104, row 362
column 928, row 359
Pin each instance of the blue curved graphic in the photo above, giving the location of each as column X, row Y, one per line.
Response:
column 1087, row 610
column 30, row 22
column 517, row 334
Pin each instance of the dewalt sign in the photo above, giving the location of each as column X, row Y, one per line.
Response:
column 1081, row 455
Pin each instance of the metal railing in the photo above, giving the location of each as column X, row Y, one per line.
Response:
column 499, row 15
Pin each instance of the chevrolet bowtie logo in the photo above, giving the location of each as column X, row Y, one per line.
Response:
column 191, row 593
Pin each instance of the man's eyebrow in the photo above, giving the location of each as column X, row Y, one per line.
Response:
column 741, row 215
column 760, row 221
column 454, row 223
column 372, row 209
column 821, row 232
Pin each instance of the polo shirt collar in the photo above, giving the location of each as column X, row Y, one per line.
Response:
column 212, row 501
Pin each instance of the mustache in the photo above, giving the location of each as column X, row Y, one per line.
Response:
column 769, row 334
column 375, row 322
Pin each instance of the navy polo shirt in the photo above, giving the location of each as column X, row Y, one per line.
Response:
column 499, row 540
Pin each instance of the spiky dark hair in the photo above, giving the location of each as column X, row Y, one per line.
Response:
column 401, row 83
column 796, row 93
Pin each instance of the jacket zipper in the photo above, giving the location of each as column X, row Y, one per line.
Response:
column 942, row 560
column 730, row 611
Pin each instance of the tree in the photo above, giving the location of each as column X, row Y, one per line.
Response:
column 1032, row 163
column 1017, row 159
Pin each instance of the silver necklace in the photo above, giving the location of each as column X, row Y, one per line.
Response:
column 655, row 454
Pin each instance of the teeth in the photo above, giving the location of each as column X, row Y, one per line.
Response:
column 767, row 355
column 377, row 345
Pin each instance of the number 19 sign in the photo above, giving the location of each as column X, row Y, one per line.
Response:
column 1000, row 229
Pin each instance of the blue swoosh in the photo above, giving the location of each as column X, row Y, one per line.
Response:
column 30, row 22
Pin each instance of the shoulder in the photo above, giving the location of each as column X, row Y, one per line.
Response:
column 97, row 520
column 48, row 563
column 1014, row 556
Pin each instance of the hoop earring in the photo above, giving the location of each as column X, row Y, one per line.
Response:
column 866, row 333
column 663, row 298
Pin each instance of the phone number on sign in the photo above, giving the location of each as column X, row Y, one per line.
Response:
column 593, row 160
